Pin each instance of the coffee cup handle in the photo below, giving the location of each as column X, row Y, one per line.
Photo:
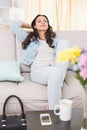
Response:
column 57, row 107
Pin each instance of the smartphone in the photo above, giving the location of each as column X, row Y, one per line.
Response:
column 45, row 119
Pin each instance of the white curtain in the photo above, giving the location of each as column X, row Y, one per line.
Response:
column 62, row 14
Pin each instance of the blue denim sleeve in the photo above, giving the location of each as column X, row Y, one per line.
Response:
column 20, row 33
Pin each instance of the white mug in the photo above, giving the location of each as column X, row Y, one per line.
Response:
column 65, row 109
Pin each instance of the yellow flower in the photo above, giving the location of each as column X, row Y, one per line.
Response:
column 70, row 55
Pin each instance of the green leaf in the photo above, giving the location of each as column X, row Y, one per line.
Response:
column 81, row 80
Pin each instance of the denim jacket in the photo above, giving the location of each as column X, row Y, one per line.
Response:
column 30, row 52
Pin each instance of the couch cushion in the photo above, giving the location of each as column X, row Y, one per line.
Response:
column 10, row 71
column 6, row 89
column 31, row 90
column 33, row 95
column 7, row 45
column 19, row 52
column 72, row 89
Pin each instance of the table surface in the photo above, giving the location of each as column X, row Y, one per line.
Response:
column 33, row 121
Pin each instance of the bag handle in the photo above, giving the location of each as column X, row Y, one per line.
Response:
column 4, row 108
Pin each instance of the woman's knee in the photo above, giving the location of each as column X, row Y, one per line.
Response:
column 55, row 72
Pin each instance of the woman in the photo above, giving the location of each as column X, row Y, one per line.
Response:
column 40, row 47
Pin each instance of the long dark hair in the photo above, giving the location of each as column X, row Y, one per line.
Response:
column 34, row 35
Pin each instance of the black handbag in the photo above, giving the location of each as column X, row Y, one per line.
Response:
column 13, row 122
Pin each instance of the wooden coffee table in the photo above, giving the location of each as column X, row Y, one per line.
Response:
column 33, row 121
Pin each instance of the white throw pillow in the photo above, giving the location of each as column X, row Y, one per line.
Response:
column 10, row 71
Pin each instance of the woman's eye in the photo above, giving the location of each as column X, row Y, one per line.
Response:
column 45, row 21
column 39, row 21
column 42, row 21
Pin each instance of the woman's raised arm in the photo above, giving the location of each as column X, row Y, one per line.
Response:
column 26, row 25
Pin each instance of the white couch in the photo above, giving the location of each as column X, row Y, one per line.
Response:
column 33, row 95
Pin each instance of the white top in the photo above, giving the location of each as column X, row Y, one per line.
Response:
column 45, row 56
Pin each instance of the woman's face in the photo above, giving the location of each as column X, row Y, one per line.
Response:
column 41, row 23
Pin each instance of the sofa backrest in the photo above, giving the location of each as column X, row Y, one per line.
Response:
column 24, row 68
column 7, row 45
column 11, row 48
column 74, row 37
